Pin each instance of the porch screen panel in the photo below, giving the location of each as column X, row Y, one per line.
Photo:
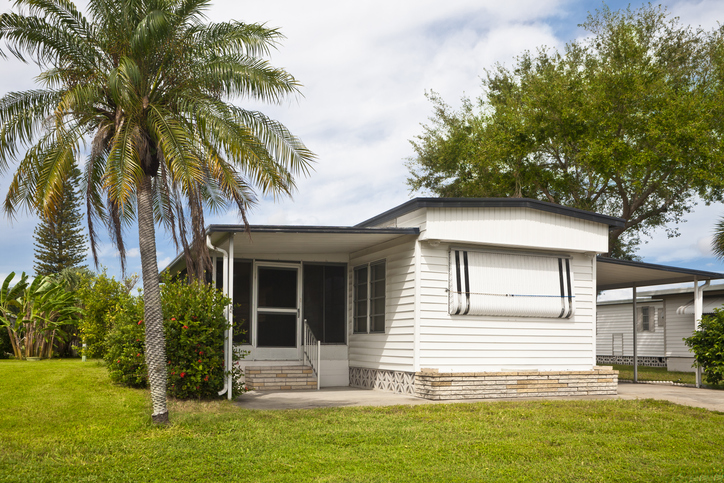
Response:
column 489, row 283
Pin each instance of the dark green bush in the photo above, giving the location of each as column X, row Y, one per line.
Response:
column 194, row 326
column 99, row 295
column 707, row 344
column 6, row 349
column 125, row 343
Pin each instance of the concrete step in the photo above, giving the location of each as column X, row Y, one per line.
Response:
column 280, row 378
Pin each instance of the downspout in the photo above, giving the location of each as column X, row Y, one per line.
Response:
column 224, row 288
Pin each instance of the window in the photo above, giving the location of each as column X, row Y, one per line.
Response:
column 508, row 284
column 369, row 298
column 645, row 319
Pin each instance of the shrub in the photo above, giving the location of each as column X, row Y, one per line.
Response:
column 194, row 326
column 707, row 343
column 125, row 343
column 100, row 297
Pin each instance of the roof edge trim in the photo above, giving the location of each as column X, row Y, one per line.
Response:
column 418, row 203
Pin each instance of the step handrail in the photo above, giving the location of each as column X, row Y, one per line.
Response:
column 312, row 352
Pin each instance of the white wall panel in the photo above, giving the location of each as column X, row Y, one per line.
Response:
column 518, row 227
column 615, row 323
column 393, row 350
column 678, row 326
column 464, row 343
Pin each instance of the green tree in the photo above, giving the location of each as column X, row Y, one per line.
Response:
column 59, row 240
column 625, row 123
column 149, row 85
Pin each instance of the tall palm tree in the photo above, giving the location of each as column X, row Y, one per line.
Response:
column 148, row 85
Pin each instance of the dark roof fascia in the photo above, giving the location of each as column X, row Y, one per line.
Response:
column 699, row 274
column 353, row 230
column 418, row 203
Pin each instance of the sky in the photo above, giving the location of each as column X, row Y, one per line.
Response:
column 365, row 68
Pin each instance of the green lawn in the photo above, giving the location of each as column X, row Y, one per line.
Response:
column 63, row 421
column 655, row 374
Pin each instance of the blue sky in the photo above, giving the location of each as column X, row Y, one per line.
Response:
column 365, row 67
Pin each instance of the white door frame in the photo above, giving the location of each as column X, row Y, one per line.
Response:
column 276, row 353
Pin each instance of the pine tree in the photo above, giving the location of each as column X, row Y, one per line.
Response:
column 59, row 239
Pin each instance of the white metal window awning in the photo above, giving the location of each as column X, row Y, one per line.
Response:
column 707, row 307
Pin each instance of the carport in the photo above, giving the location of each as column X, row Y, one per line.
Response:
column 616, row 274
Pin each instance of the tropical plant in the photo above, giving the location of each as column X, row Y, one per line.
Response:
column 148, row 83
column 10, row 306
column 35, row 314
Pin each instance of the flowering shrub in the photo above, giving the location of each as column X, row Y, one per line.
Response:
column 194, row 326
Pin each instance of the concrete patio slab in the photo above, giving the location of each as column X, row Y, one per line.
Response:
column 710, row 399
column 352, row 396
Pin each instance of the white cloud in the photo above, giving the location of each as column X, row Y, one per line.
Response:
column 365, row 67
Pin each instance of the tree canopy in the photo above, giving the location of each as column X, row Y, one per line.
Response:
column 59, row 239
column 148, row 85
column 626, row 122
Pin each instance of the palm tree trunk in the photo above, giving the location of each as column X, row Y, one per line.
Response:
column 155, row 340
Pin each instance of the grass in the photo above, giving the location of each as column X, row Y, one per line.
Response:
column 654, row 374
column 63, row 421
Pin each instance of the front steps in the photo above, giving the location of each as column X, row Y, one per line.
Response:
column 280, row 378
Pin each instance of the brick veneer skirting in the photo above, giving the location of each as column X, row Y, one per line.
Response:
column 647, row 361
column 431, row 384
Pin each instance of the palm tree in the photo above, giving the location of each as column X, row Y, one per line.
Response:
column 148, row 84
column 717, row 243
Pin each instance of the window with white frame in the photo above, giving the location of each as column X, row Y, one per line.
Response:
column 369, row 297
column 645, row 318
column 510, row 284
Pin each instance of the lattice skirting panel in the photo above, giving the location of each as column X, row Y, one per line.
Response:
column 391, row 381
column 628, row 360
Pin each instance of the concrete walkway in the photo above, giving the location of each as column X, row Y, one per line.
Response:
column 710, row 399
column 351, row 396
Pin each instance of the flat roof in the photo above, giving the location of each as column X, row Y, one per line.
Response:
column 418, row 203
column 352, row 230
column 612, row 273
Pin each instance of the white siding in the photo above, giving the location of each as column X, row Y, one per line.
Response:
column 678, row 326
column 516, row 227
column 464, row 343
column 616, row 321
column 393, row 350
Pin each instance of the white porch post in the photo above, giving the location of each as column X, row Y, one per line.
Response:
column 698, row 306
column 635, row 342
column 230, row 339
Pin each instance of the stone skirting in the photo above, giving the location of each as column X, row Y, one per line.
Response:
column 391, row 381
column 646, row 361
column 277, row 378
column 431, row 384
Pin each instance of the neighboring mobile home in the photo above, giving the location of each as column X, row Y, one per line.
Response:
column 663, row 319
column 442, row 298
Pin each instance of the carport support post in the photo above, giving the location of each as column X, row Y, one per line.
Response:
column 635, row 344
column 698, row 309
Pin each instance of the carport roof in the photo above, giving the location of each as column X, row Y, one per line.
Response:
column 612, row 273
